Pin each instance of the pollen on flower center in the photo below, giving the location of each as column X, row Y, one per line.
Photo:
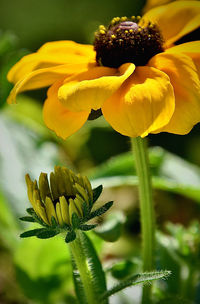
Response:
column 127, row 41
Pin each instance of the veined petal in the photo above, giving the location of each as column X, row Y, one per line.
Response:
column 88, row 90
column 175, row 19
column 51, row 54
column 192, row 49
column 144, row 103
column 184, row 78
column 68, row 47
column 45, row 77
column 189, row 48
column 59, row 119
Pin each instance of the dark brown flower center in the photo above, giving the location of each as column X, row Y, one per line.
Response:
column 127, row 41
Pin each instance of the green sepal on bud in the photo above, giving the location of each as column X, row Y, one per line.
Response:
column 70, row 237
column 64, row 203
column 41, row 233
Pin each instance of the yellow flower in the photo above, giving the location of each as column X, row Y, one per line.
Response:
column 136, row 75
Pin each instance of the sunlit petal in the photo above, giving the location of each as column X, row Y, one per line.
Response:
column 175, row 19
column 59, row 119
column 183, row 75
column 52, row 54
column 192, row 49
column 90, row 89
column 45, row 77
column 144, row 103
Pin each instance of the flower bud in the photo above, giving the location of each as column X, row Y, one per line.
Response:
column 64, row 195
column 64, row 202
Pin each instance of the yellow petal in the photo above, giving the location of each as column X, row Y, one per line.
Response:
column 54, row 186
column 88, row 90
column 42, row 212
column 183, row 75
column 72, row 209
column 153, row 3
column 29, row 184
column 189, row 48
column 144, row 103
column 44, row 186
column 78, row 201
column 66, row 47
column 36, row 195
column 60, row 181
column 175, row 19
column 59, row 214
column 80, row 190
column 45, row 77
column 64, row 210
column 67, row 181
column 192, row 49
column 87, row 185
column 59, row 119
column 50, row 209
column 51, row 54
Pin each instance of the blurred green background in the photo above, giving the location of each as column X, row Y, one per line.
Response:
column 34, row 271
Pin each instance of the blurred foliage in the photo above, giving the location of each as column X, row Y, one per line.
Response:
column 179, row 251
column 43, row 268
column 38, row 21
column 169, row 172
column 9, row 55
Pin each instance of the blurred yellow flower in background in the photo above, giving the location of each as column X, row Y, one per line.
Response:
column 135, row 75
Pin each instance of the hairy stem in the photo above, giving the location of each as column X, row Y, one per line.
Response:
column 82, row 266
column 146, row 209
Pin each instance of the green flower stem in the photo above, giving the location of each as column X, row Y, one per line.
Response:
column 82, row 265
column 139, row 148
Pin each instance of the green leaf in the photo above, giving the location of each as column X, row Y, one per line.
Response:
column 27, row 219
column 141, row 278
column 30, row 233
column 97, row 192
column 122, row 269
column 170, row 173
column 38, row 289
column 46, row 233
column 110, row 230
column 101, row 210
column 70, row 237
column 87, row 227
column 47, row 269
column 122, row 164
